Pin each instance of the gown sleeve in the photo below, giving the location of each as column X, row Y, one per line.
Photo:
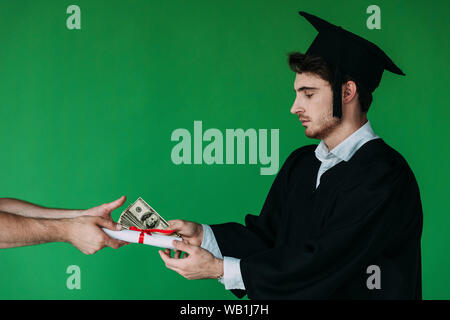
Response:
column 259, row 232
column 372, row 215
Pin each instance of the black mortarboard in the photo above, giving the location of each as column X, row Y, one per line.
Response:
column 349, row 54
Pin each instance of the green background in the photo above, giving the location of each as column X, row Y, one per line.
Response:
column 86, row 116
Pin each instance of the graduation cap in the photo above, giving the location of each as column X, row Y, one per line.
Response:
column 349, row 54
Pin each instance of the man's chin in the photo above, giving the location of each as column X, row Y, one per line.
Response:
column 321, row 131
column 311, row 134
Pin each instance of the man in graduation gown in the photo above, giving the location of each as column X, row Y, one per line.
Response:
column 343, row 219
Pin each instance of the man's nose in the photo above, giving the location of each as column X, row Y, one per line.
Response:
column 296, row 108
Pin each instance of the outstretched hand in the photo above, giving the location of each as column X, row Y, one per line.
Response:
column 199, row 264
column 85, row 234
column 191, row 232
column 85, row 231
column 105, row 209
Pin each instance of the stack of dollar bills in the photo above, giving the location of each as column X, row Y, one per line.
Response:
column 141, row 215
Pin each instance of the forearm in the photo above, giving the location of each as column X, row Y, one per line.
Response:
column 16, row 231
column 26, row 209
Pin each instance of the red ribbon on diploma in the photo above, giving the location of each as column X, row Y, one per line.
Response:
column 149, row 232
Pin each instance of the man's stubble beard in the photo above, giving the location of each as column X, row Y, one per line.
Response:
column 324, row 127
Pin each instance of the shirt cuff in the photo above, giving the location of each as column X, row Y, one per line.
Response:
column 209, row 242
column 232, row 277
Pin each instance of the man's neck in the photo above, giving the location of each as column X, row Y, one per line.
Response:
column 342, row 132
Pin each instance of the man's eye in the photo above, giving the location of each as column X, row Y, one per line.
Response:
column 309, row 95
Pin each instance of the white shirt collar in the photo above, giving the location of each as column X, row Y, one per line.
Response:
column 347, row 148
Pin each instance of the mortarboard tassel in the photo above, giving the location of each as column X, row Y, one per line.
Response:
column 337, row 89
column 337, row 93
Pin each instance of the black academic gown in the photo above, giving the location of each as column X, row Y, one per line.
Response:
column 310, row 243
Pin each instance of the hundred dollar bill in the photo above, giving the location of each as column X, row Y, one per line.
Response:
column 141, row 215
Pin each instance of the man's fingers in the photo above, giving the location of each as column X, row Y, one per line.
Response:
column 166, row 258
column 170, row 262
column 113, row 243
column 181, row 245
column 175, row 224
column 177, row 254
column 108, row 224
column 115, row 204
column 123, row 243
column 164, row 255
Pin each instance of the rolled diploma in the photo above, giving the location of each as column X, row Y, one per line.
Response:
column 153, row 240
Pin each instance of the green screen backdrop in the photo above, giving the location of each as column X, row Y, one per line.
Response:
column 87, row 116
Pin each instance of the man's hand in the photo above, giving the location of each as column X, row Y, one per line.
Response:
column 191, row 232
column 85, row 233
column 105, row 209
column 199, row 264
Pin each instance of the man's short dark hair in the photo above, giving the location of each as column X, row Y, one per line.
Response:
column 299, row 62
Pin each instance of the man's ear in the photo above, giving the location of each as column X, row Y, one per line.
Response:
column 348, row 91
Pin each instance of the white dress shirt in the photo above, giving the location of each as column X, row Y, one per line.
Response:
column 232, row 277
